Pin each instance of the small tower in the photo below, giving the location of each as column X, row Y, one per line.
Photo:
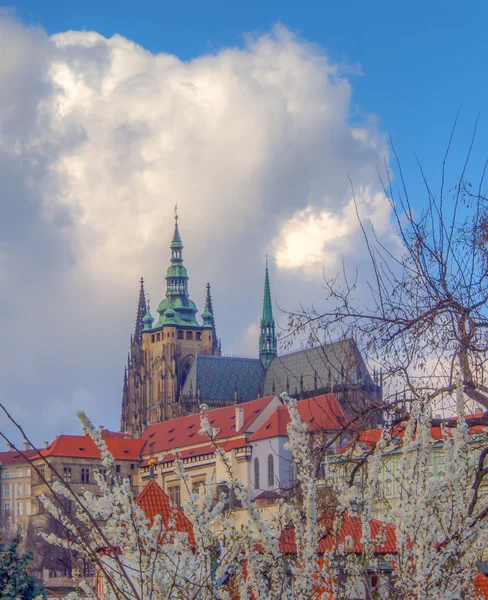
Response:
column 267, row 337
column 209, row 321
column 141, row 311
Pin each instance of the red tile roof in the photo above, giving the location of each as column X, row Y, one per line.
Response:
column 183, row 431
column 481, row 586
column 154, row 501
column 350, row 527
column 322, row 413
column 82, row 446
column 12, row 457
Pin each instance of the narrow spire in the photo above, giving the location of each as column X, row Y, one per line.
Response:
column 141, row 311
column 209, row 321
column 267, row 337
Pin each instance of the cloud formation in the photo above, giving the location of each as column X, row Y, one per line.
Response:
column 99, row 139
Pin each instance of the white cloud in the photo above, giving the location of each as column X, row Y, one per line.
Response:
column 99, row 139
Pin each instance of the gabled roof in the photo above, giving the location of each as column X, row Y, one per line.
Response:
column 12, row 457
column 350, row 527
column 220, row 376
column 323, row 413
column 184, row 431
column 342, row 360
column 154, row 501
column 82, row 446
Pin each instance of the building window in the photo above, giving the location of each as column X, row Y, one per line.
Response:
column 152, row 338
column 6, row 490
column 19, row 489
column 27, row 471
column 19, row 473
column 6, row 474
column 67, row 473
column 189, row 335
column 256, row 473
column 158, row 337
column 180, row 335
column 117, row 468
column 441, row 459
column 388, row 487
column 41, row 473
column 85, row 475
column 19, row 509
column 6, row 509
column 199, row 336
column 271, row 476
column 174, row 495
column 196, row 486
column 132, row 466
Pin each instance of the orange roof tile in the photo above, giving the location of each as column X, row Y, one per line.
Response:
column 481, row 586
column 322, row 413
column 350, row 527
column 82, row 446
column 154, row 501
column 184, row 431
column 12, row 457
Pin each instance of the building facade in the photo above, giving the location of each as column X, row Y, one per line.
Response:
column 175, row 363
column 15, row 492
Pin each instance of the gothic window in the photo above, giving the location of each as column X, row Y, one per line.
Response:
column 271, row 476
column 180, row 335
column 256, row 473
column 189, row 335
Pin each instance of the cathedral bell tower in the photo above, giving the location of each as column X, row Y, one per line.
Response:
column 161, row 354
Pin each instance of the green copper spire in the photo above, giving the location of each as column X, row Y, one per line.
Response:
column 176, row 308
column 267, row 338
column 148, row 319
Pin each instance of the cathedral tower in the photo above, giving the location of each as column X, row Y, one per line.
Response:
column 161, row 354
column 267, row 337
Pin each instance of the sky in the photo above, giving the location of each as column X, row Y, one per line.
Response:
column 255, row 118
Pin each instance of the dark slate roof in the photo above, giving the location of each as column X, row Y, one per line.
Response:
column 339, row 361
column 219, row 376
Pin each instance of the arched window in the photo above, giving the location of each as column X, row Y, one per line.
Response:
column 256, row 473
column 271, row 477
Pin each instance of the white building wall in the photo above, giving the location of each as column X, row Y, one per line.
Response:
column 261, row 449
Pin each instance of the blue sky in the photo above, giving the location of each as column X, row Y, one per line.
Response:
column 420, row 61
column 254, row 137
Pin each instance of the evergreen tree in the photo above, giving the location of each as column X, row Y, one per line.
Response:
column 16, row 582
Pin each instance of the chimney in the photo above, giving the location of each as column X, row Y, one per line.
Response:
column 10, row 448
column 100, row 429
column 26, row 446
column 239, row 418
column 46, row 444
column 84, row 432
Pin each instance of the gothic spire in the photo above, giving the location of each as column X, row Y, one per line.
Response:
column 267, row 338
column 141, row 311
column 177, row 307
column 209, row 321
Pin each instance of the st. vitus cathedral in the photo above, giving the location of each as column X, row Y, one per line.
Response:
column 175, row 364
